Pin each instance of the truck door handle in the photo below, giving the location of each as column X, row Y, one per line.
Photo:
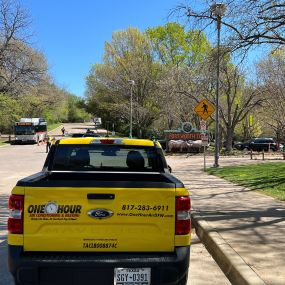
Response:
column 93, row 196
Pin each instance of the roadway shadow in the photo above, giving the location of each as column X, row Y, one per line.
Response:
column 256, row 234
column 4, row 212
column 256, row 218
column 241, row 216
column 5, row 277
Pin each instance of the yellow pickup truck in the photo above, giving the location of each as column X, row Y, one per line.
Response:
column 102, row 211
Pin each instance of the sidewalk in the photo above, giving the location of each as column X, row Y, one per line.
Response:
column 243, row 230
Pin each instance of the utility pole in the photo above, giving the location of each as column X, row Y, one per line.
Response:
column 132, row 83
column 218, row 10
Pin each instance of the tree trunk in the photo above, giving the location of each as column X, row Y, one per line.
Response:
column 229, row 142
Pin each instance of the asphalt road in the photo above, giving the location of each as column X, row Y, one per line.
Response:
column 18, row 161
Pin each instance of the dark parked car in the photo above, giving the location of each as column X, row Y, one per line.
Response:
column 242, row 145
column 258, row 144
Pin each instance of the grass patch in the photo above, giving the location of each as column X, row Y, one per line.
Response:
column 51, row 127
column 268, row 178
column 2, row 143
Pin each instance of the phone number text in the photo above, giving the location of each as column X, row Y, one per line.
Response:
column 145, row 207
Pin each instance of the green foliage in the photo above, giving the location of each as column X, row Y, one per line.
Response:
column 174, row 45
column 53, row 126
column 269, row 178
column 9, row 112
column 127, row 57
column 76, row 111
column 244, row 131
column 143, row 58
column 26, row 89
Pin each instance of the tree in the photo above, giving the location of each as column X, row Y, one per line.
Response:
column 180, row 52
column 22, row 68
column 9, row 110
column 246, row 23
column 45, row 100
column 26, row 89
column 237, row 99
column 174, row 45
column 180, row 92
column 271, row 74
column 20, row 65
column 127, row 57
column 76, row 112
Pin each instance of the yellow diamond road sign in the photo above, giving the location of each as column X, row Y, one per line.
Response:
column 204, row 109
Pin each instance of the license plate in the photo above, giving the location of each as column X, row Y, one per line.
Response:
column 132, row 276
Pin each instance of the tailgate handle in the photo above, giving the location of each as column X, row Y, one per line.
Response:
column 100, row 196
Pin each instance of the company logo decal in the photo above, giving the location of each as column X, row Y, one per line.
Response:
column 100, row 213
column 54, row 211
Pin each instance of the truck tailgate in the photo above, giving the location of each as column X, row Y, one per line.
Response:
column 77, row 219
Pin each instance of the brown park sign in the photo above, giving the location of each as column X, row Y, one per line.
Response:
column 183, row 136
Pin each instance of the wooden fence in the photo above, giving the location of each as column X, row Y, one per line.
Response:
column 267, row 155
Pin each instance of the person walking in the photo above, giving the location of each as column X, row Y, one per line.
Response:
column 48, row 141
column 38, row 139
column 63, row 130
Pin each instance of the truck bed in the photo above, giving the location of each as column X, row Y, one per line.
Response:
column 101, row 179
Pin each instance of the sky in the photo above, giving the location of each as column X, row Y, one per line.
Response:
column 72, row 33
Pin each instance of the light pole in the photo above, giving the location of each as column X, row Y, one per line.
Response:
column 218, row 11
column 132, row 83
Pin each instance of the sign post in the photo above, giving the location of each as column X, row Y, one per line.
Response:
column 204, row 138
column 204, row 110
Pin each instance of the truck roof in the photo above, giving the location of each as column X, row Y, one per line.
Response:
column 102, row 140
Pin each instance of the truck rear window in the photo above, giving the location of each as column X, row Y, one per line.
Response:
column 107, row 158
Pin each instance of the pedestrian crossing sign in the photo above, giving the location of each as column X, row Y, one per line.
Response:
column 204, row 109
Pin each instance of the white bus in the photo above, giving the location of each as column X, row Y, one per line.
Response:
column 30, row 130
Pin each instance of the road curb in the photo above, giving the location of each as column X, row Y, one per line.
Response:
column 234, row 267
column 4, row 145
column 55, row 128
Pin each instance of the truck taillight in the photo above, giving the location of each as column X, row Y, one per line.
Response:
column 183, row 217
column 15, row 220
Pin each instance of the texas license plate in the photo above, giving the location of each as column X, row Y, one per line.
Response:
column 132, row 276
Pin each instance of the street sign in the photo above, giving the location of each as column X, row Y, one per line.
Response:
column 204, row 109
column 205, row 139
column 203, row 125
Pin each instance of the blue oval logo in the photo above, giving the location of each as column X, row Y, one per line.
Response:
column 100, row 213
